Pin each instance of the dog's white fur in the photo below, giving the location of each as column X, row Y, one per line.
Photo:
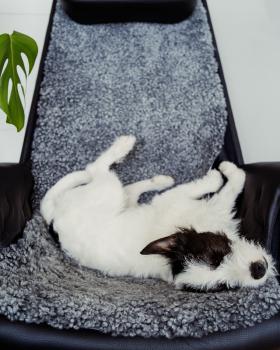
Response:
column 101, row 224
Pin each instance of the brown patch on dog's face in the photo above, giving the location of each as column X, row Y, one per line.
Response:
column 188, row 245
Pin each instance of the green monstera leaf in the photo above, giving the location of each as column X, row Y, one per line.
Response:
column 11, row 49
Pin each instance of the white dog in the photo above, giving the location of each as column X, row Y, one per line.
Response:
column 181, row 236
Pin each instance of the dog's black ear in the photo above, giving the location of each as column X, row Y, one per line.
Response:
column 161, row 246
column 207, row 247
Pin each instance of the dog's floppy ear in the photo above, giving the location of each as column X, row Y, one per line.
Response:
column 161, row 246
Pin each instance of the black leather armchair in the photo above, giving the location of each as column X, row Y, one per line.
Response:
column 258, row 207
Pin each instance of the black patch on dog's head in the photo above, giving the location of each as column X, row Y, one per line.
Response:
column 188, row 245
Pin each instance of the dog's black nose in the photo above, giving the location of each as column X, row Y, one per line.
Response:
column 258, row 269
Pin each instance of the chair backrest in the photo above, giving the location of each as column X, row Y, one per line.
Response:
column 108, row 11
column 259, row 206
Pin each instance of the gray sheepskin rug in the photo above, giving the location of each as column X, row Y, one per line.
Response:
column 160, row 83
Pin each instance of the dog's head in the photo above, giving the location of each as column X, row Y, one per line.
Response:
column 207, row 261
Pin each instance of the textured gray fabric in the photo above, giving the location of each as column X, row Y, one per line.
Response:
column 159, row 83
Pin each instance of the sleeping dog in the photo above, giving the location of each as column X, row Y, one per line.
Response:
column 181, row 236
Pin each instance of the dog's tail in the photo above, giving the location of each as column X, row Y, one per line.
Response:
column 69, row 181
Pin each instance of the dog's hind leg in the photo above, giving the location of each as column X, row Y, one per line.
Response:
column 114, row 154
column 106, row 187
column 157, row 183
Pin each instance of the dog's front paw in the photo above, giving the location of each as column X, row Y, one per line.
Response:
column 227, row 168
column 163, row 181
column 215, row 179
column 233, row 173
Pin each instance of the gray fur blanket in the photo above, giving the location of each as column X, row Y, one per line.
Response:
column 160, row 83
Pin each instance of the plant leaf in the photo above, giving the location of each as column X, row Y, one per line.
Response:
column 11, row 48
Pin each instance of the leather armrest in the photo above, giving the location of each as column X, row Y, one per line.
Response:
column 21, row 336
column 258, row 207
column 16, row 184
column 106, row 11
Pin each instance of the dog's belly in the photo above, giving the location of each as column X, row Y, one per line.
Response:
column 111, row 243
column 102, row 251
